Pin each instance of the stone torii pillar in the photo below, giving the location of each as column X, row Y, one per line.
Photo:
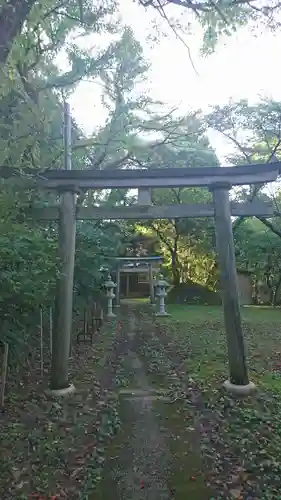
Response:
column 61, row 339
column 238, row 382
column 64, row 296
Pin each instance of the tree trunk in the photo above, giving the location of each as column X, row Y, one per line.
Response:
column 175, row 262
column 175, row 269
column 269, row 287
column 173, row 249
column 267, row 274
column 255, row 291
column 275, row 294
column 12, row 17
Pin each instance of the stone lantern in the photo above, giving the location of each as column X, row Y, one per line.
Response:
column 161, row 286
column 110, row 285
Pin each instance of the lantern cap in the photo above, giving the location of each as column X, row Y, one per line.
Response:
column 109, row 283
column 161, row 281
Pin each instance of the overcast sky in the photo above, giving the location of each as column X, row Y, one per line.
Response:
column 243, row 66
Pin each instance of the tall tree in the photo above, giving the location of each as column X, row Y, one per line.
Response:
column 184, row 241
column 258, row 250
column 253, row 130
column 32, row 85
column 255, row 133
column 217, row 17
column 12, row 17
column 19, row 16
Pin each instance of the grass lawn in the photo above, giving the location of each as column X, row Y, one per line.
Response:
column 244, row 442
column 200, row 331
column 199, row 314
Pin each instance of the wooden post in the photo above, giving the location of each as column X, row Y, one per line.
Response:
column 127, row 285
column 229, row 286
column 151, row 287
column 63, row 306
column 41, row 344
column 117, row 286
column 67, row 137
column 51, row 329
column 4, row 372
column 85, row 321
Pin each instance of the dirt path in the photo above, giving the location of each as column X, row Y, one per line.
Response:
column 149, row 459
column 139, row 459
column 145, row 476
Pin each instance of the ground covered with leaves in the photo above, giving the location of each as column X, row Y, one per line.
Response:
column 239, row 440
column 217, row 447
column 55, row 448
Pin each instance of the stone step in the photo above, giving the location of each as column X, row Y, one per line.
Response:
column 148, row 398
column 141, row 392
column 148, row 395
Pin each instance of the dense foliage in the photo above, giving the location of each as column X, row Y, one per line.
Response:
column 216, row 17
column 138, row 132
column 46, row 49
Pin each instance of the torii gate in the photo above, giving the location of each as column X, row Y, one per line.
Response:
column 217, row 179
column 147, row 265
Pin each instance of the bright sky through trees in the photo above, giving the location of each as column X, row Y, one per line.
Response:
column 243, row 66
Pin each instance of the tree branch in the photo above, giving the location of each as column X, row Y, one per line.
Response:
column 162, row 238
column 270, row 226
column 12, row 17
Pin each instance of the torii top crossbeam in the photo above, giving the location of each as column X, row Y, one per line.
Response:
column 149, row 178
column 147, row 264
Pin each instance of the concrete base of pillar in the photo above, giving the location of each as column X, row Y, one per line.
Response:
column 162, row 314
column 57, row 393
column 239, row 390
column 112, row 315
